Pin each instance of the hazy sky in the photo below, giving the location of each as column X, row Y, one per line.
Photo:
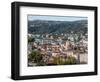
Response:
column 55, row 18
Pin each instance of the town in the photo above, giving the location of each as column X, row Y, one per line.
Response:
column 57, row 49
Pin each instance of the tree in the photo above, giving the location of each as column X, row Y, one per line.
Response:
column 30, row 39
column 35, row 56
column 71, row 60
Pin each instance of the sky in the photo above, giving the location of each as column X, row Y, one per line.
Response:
column 55, row 18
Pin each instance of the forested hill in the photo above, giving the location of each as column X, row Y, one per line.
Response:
column 43, row 26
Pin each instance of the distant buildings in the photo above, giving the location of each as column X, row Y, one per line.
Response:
column 74, row 45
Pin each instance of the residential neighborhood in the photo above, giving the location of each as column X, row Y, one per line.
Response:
column 61, row 46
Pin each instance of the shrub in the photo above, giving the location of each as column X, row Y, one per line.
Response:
column 35, row 56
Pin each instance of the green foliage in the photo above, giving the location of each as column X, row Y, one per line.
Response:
column 71, row 60
column 31, row 39
column 35, row 56
column 58, row 61
column 41, row 26
column 41, row 63
column 62, row 61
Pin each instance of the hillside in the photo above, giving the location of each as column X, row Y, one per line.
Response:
column 42, row 26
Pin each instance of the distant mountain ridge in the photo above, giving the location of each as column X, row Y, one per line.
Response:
column 43, row 26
